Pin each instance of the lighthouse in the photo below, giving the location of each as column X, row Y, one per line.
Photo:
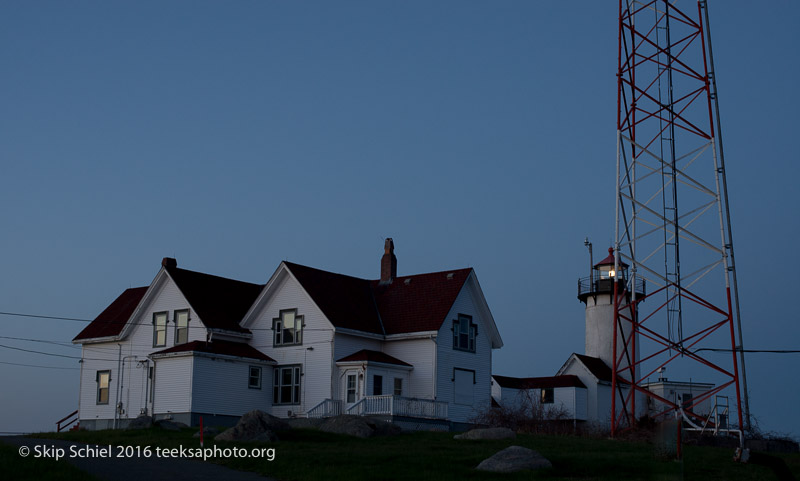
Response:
column 597, row 293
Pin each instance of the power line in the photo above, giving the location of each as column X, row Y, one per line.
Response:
column 57, row 343
column 45, row 317
column 43, row 367
column 768, row 351
column 106, row 323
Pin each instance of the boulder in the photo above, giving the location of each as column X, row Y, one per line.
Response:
column 254, row 426
column 358, row 426
column 512, row 459
column 141, row 422
column 170, row 425
column 208, row 431
column 488, row 433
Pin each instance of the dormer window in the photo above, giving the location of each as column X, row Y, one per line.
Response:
column 159, row 329
column 181, row 327
column 464, row 333
column 288, row 328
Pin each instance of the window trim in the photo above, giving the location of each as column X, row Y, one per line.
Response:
column 250, row 377
column 188, row 319
column 472, row 334
column 155, row 328
column 107, row 388
column 278, row 329
column 297, row 376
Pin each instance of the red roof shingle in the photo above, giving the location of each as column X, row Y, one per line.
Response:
column 225, row 348
column 369, row 355
column 111, row 321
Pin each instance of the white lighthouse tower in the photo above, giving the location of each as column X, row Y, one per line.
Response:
column 597, row 292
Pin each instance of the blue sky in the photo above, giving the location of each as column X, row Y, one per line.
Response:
column 234, row 135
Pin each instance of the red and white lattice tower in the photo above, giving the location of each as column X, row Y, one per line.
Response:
column 672, row 216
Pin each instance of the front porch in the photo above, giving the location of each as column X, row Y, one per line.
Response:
column 384, row 405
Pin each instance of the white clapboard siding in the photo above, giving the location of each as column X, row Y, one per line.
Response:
column 318, row 377
column 173, row 385
column 221, row 387
column 447, row 359
column 131, row 352
column 421, row 354
column 97, row 357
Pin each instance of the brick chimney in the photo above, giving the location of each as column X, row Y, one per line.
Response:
column 388, row 262
column 169, row 262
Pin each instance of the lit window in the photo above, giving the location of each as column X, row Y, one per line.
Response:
column 286, row 385
column 547, row 396
column 288, row 328
column 254, row 380
column 464, row 333
column 351, row 388
column 181, row 327
column 159, row 329
column 398, row 386
column 103, row 377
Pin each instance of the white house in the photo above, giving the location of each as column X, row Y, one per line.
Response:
column 416, row 349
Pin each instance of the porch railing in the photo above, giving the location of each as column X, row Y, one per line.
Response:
column 327, row 408
column 66, row 421
column 400, row 406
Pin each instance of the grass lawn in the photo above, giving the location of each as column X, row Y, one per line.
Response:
column 311, row 455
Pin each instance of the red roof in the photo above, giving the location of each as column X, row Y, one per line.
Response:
column 221, row 303
column 111, row 321
column 368, row 355
column 418, row 303
column 225, row 348
column 567, row 380
column 407, row 304
column 596, row 366
column 610, row 260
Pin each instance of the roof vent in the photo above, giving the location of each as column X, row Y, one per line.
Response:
column 449, row 275
column 169, row 262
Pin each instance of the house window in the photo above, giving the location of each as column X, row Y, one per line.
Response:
column 351, row 388
column 182, row 326
column 398, row 386
column 286, row 385
column 464, row 333
column 547, row 395
column 254, row 380
column 687, row 401
column 159, row 329
column 377, row 385
column 288, row 328
column 103, row 378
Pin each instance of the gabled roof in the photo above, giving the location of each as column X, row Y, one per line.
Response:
column 567, row 380
column 408, row 304
column 219, row 302
column 223, row 348
column 368, row 355
column 111, row 321
column 346, row 301
column 596, row 366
